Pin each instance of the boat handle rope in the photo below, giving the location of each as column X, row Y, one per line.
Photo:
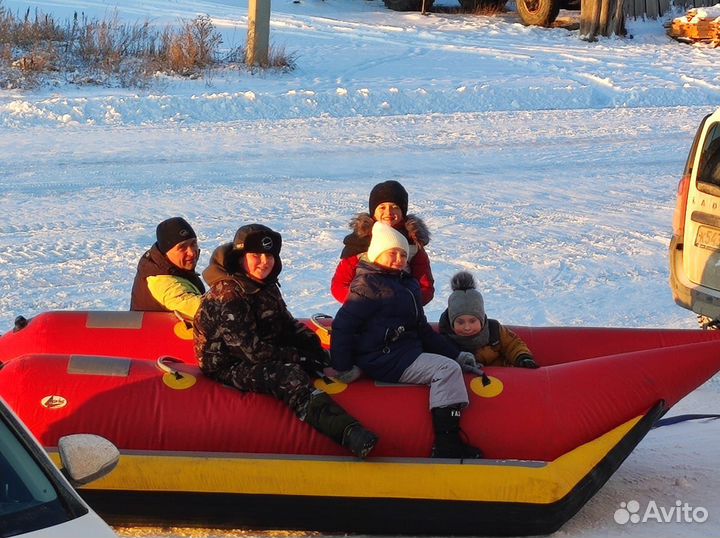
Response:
column 161, row 363
column 315, row 319
column 481, row 373
column 188, row 322
column 682, row 418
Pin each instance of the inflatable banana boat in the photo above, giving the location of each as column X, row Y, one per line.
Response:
column 196, row 452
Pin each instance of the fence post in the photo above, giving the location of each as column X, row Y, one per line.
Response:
column 601, row 17
column 258, row 40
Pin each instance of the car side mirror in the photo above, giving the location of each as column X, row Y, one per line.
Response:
column 86, row 457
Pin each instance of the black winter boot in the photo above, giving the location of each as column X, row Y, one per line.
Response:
column 358, row 440
column 329, row 418
column 446, row 422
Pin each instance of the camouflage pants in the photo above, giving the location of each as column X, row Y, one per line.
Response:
column 285, row 381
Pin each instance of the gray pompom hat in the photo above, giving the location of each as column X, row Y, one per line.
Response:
column 465, row 300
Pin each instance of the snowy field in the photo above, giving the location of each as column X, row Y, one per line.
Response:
column 545, row 165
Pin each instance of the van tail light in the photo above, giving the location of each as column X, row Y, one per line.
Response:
column 681, row 206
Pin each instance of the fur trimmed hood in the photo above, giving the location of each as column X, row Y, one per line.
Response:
column 414, row 228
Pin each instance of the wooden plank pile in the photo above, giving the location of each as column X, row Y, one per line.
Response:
column 698, row 25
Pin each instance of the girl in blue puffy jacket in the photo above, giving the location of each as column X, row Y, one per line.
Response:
column 381, row 330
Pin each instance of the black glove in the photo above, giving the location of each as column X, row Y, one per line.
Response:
column 526, row 361
column 313, row 361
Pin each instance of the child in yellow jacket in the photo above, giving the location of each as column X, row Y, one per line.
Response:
column 465, row 323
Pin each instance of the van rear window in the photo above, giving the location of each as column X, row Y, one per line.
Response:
column 709, row 169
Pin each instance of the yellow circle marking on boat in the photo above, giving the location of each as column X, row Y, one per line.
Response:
column 182, row 331
column 185, row 381
column 336, row 387
column 53, row 402
column 487, row 391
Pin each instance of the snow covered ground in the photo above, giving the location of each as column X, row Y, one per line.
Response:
column 545, row 165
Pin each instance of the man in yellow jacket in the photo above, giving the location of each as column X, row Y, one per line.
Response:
column 166, row 279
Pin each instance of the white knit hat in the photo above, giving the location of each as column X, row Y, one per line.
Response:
column 385, row 237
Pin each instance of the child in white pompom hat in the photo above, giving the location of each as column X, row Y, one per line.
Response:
column 381, row 329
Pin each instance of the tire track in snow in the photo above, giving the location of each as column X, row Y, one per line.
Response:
column 558, row 213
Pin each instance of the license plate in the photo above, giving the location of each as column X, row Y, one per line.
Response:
column 708, row 238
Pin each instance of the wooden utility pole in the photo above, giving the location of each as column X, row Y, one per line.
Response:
column 258, row 40
column 601, row 17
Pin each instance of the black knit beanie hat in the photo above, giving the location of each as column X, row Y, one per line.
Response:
column 389, row 191
column 172, row 231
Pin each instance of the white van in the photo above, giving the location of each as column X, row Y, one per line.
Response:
column 36, row 500
column 695, row 245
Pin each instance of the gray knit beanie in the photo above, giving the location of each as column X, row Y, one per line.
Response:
column 465, row 300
